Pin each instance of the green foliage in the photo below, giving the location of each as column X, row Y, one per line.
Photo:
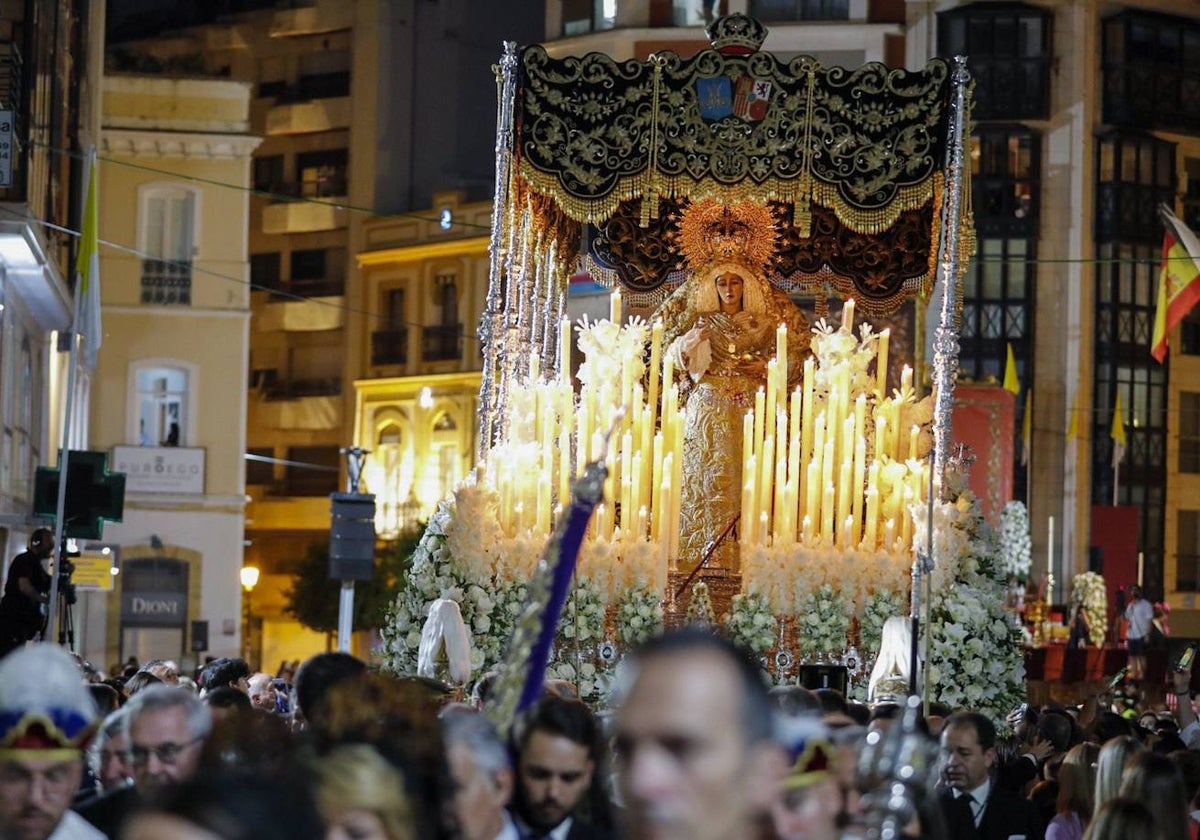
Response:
column 313, row 598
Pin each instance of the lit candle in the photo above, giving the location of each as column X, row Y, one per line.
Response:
column 869, row 539
column 747, row 506
column 763, row 532
column 889, row 535
column 848, row 316
column 642, row 522
column 906, row 379
column 760, row 411
column 656, row 336
column 772, row 394
column 848, row 533
column 880, row 432
column 564, row 349
column 812, row 501
column 827, row 510
column 860, row 465
column 781, row 357
column 656, row 480
column 636, row 502
column 667, row 381
column 843, row 496
column 614, row 307
column 766, row 476
column 881, row 362
column 806, row 530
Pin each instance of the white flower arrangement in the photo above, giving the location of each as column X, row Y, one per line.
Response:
column 751, row 623
column 1016, row 557
column 822, row 622
column 882, row 605
column 639, row 615
column 1089, row 590
column 977, row 660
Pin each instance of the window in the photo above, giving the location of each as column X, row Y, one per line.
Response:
column 582, row 16
column 318, row 272
column 313, row 470
column 308, row 265
column 272, row 89
column 264, row 271
column 389, row 346
column 1135, row 173
column 321, row 174
column 1151, row 71
column 167, row 234
column 1009, row 49
column 782, row 10
column 1189, row 432
column 260, row 471
column 444, row 341
column 1187, row 551
column 162, row 406
column 268, row 173
column 1005, row 174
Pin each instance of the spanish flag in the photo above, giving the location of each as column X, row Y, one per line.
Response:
column 1178, row 281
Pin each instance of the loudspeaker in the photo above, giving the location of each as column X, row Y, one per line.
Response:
column 199, row 636
column 824, row 676
column 352, row 536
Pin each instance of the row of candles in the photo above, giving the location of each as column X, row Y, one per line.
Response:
column 799, row 472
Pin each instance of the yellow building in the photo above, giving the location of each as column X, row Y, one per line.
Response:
column 416, row 411
column 169, row 391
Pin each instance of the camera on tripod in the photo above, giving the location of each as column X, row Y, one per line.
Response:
column 66, row 568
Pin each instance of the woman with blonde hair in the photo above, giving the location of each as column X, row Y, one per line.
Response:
column 1122, row 819
column 361, row 795
column 1076, row 784
column 1153, row 778
column 1111, row 766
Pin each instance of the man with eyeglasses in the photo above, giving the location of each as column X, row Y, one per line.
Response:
column 167, row 727
column 47, row 718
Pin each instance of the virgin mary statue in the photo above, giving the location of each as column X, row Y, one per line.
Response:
column 719, row 330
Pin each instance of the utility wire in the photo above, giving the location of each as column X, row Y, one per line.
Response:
column 304, row 464
column 183, row 264
column 280, row 197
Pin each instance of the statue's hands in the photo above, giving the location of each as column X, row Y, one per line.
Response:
column 700, row 331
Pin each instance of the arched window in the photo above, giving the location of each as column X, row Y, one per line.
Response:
column 162, row 406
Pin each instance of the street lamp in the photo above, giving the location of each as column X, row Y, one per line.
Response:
column 249, row 577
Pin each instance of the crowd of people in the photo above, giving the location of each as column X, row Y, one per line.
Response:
column 694, row 746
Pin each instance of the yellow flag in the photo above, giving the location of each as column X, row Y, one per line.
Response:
column 1118, row 432
column 1073, row 423
column 1011, row 381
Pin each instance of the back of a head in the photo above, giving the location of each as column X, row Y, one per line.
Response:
column 320, row 673
column 476, row 733
column 355, row 777
column 1077, row 780
column 1155, row 779
column 755, row 701
column 231, row 807
column 795, row 701
column 1122, row 819
column 1057, row 728
column 1110, row 766
column 224, row 671
column 228, row 697
column 832, row 701
column 106, row 697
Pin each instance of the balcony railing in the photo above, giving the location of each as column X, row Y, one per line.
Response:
column 326, row 187
column 441, row 344
column 167, row 282
column 291, row 389
column 389, row 347
column 322, row 86
column 314, row 287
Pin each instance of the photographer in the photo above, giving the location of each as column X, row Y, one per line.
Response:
column 26, row 592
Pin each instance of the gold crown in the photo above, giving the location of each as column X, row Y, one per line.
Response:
column 711, row 232
column 736, row 34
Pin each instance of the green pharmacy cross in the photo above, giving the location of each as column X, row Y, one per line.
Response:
column 93, row 494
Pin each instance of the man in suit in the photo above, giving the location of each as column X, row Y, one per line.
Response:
column 558, row 794
column 975, row 806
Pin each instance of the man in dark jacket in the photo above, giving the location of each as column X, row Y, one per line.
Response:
column 26, row 591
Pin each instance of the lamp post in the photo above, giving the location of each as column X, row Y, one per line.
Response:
column 249, row 577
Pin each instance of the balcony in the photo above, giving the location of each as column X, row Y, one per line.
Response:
column 305, row 216
column 441, row 344
column 322, row 16
column 308, row 404
column 325, row 312
column 389, row 347
column 309, row 116
column 226, row 37
column 290, row 389
column 166, row 283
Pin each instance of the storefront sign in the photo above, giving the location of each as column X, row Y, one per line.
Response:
column 160, row 469
column 154, row 609
column 93, row 571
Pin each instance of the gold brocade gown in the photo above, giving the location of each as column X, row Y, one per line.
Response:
column 741, row 345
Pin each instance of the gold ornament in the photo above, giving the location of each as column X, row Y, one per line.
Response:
column 715, row 234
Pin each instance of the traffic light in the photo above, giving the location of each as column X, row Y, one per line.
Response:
column 352, row 536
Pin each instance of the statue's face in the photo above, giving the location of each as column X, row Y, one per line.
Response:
column 730, row 287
